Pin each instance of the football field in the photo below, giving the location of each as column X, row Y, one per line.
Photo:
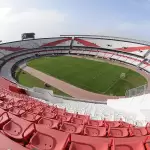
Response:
column 94, row 76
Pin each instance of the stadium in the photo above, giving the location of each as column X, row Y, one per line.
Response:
column 75, row 92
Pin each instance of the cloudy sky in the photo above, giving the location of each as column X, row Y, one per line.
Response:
column 125, row 18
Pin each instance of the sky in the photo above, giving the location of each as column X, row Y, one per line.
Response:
column 50, row 18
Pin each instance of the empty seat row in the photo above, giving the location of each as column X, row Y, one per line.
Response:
column 40, row 113
column 42, row 137
column 111, row 55
column 37, row 125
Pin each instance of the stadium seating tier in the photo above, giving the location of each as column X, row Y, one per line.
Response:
column 30, row 123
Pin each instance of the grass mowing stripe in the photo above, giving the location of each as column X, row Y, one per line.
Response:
column 111, row 86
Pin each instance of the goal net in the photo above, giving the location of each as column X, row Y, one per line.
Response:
column 137, row 91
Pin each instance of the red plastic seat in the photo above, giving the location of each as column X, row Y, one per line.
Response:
column 80, row 146
column 79, row 121
column 59, row 111
column 8, row 144
column 95, row 131
column 49, row 108
column 1, row 102
column 51, row 123
column 50, row 115
column 6, row 106
column 24, row 104
column 16, row 127
column 79, row 142
column 118, row 132
column 30, row 117
column 48, row 139
column 36, row 110
column 139, row 131
column 113, row 124
column 4, row 118
column 124, row 124
column 85, row 118
column 68, row 114
column 39, row 104
column 17, row 111
column 132, row 145
column 71, row 128
column 3, row 97
column 20, row 103
column 97, row 123
column 63, row 118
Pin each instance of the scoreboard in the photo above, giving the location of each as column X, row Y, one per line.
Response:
column 28, row 36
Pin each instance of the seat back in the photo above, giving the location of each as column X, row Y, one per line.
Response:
column 95, row 131
column 42, row 141
column 118, row 132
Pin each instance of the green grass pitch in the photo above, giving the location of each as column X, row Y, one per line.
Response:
column 28, row 80
column 94, row 76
